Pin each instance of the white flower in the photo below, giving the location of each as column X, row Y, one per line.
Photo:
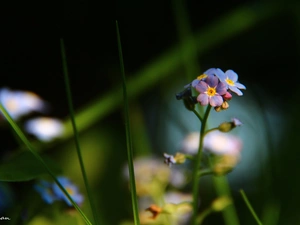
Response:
column 215, row 142
column 21, row 103
column 222, row 143
column 191, row 143
column 45, row 128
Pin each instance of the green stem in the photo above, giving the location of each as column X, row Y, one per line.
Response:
column 223, row 189
column 39, row 158
column 128, row 136
column 72, row 116
column 204, row 172
column 210, row 130
column 203, row 215
column 250, row 207
column 197, row 166
column 198, row 115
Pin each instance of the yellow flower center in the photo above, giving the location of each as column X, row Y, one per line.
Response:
column 230, row 82
column 211, row 91
column 70, row 191
column 200, row 77
column 12, row 105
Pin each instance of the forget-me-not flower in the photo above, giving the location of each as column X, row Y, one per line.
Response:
column 71, row 188
column 20, row 103
column 230, row 78
column 211, row 91
column 44, row 188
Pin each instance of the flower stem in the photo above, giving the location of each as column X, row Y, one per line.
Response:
column 198, row 115
column 210, row 130
column 204, row 172
column 197, row 166
column 223, row 189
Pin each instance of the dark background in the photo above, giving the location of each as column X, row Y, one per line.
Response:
column 265, row 56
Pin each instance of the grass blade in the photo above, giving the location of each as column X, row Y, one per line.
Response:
column 128, row 135
column 250, row 207
column 76, row 136
column 27, row 143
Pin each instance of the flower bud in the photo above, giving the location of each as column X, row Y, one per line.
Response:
column 228, row 126
column 189, row 103
column 227, row 96
column 220, row 203
column 179, row 158
column 225, row 105
column 185, row 93
column 218, row 108
column 225, row 127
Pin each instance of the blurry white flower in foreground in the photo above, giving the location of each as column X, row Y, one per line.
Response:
column 191, row 143
column 45, row 128
column 20, row 103
column 222, row 143
column 152, row 176
column 225, row 147
column 216, row 142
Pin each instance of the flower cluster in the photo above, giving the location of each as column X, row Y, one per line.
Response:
column 215, row 88
column 50, row 191
column 20, row 104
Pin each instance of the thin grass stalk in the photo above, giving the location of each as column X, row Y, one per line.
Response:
column 197, row 166
column 27, row 143
column 250, row 207
column 128, row 134
column 76, row 136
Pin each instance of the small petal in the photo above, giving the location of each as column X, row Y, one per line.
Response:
column 230, row 74
column 221, row 88
column 201, row 87
column 236, row 90
column 212, row 81
column 240, row 86
column 202, row 99
column 216, row 101
column 195, row 82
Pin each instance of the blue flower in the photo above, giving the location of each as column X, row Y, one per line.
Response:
column 230, row 78
column 44, row 188
column 70, row 188
column 21, row 103
column 211, row 91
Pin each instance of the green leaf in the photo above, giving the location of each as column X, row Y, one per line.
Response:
column 25, row 166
